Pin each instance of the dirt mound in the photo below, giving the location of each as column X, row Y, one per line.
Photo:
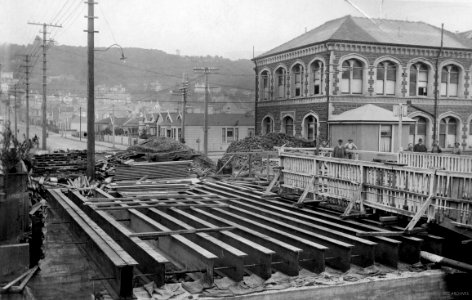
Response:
column 268, row 142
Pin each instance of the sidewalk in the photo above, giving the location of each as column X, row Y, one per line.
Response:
column 104, row 144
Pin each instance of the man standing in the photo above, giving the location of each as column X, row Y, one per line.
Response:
column 457, row 149
column 350, row 146
column 339, row 151
column 420, row 147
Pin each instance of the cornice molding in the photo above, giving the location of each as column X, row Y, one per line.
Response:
column 364, row 48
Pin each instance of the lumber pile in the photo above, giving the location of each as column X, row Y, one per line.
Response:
column 152, row 170
column 61, row 162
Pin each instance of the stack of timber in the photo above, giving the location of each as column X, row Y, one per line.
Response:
column 160, row 170
column 54, row 163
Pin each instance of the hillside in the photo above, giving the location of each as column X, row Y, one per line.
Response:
column 143, row 71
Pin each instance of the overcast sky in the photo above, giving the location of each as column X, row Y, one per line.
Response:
column 228, row 28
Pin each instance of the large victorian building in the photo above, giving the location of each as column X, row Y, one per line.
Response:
column 349, row 62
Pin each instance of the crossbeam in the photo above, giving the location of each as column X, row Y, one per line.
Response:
column 156, row 234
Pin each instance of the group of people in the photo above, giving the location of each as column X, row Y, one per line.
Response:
column 339, row 150
column 420, row 147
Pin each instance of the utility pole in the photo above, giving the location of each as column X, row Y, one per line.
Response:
column 112, row 119
column 15, row 93
column 436, row 89
column 91, row 90
column 44, row 45
column 27, row 66
column 184, row 90
column 206, row 71
column 80, row 123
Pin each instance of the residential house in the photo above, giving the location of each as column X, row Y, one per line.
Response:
column 223, row 129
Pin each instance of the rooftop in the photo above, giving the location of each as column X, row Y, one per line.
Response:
column 368, row 113
column 381, row 31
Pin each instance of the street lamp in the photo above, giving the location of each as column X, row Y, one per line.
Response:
column 122, row 58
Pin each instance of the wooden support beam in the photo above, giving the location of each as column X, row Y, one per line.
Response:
column 184, row 253
column 386, row 251
column 363, row 249
column 156, row 234
column 338, row 250
column 259, row 255
column 150, row 261
column 308, row 188
column 146, row 197
column 226, row 163
column 461, row 225
column 113, row 261
column 311, row 250
column 272, row 183
column 381, row 233
column 126, row 206
column 419, row 214
column 227, row 254
column 287, row 252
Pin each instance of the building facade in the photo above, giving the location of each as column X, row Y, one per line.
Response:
column 351, row 61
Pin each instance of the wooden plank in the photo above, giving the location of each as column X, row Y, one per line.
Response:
column 155, row 234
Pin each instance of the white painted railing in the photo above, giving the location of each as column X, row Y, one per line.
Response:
column 440, row 161
column 449, row 162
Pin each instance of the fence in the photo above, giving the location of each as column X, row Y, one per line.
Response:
column 119, row 139
column 450, row 162
column 397, row 189
column 441, row 161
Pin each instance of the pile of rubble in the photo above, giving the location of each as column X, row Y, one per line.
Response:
column 268, row 142
column 235, row 159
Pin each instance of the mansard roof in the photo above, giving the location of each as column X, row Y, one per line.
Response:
column 377, row 31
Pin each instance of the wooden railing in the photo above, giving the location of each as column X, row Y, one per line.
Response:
column 440, row 161
column 449, row 162
column 396, row 189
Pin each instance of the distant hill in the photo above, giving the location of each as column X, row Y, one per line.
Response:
column 143, row 71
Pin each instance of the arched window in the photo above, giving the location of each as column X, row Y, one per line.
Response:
column 267, row 125
column 418, row 130
column 449, row 81
column 317, row 71
column 287, row 125
column 386, row 78
column 419, row 79
column 264, row 86
column 297, row 81
column 310, row 128
column 280, row 77
column 448, row 134
column 352, row 73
